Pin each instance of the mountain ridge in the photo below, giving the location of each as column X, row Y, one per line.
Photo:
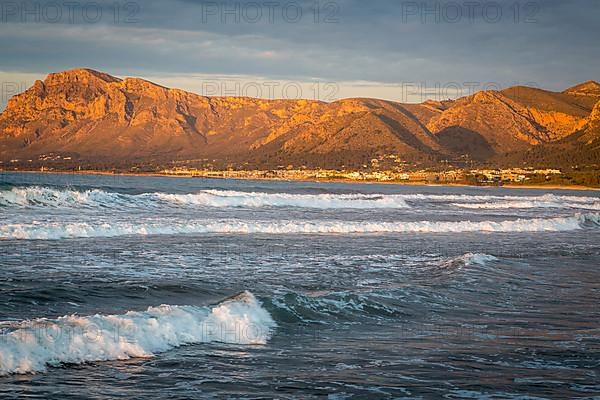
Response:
column 93, row 116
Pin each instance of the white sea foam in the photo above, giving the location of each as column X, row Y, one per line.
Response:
column 222, row 198
column 39, row 230
column 32, row 346
column 49, row 197
column 523, row 204
column 36, row 196
column 512, row 202
column 467, row 198
column 44, row 196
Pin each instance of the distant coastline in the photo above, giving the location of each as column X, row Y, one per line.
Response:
column 510, row 185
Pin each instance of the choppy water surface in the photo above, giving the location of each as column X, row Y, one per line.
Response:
column 187, row 288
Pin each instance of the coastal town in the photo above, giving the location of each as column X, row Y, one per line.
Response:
column 456, row 176
column 384, row 169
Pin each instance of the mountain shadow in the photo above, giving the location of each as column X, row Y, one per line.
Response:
column 463, row 141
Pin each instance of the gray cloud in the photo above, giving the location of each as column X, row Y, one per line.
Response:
column 552, row 43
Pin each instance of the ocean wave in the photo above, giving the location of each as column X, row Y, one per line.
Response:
column 467, row 260
column 47, row 230
column 377, row 299
column 36, row 196
column 524, row 204
column 294, row 307
column 468, row 198
column 40, row 196
column 33, row 346
column 225, row 198
column 476, row 202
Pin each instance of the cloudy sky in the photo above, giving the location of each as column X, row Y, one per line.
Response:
column 393, row 49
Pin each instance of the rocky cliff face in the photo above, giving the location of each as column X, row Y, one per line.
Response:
column 590, row 132
column 95, row 116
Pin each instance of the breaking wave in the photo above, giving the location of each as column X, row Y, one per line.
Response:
column 513, row 202
column 524, row 204
column 225, row 198
column 42, row 230
column 33, row 346
column 494, row 198
column 48, row 197
column 38, row 196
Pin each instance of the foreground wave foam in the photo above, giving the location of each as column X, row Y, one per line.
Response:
column 40, row 230
column 33, row 346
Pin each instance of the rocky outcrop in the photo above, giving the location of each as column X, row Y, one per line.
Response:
column 590, row 132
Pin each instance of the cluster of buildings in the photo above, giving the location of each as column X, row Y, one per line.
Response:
column 511, row 175
column 321, row 174
column 386, row 168
column 487, row 176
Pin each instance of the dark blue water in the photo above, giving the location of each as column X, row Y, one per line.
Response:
column 120, row 287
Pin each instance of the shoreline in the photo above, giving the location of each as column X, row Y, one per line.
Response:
column 325, row 180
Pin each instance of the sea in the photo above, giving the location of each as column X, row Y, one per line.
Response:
column 124, row 287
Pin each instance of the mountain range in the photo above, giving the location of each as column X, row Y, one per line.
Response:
column 94, row 117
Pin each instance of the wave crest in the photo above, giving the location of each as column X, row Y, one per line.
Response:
column 227, row 198
column 37, row 196
column 53, row 231
column 48, row 197
column 526, row 204
column 40, row 196
column 33, row 346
